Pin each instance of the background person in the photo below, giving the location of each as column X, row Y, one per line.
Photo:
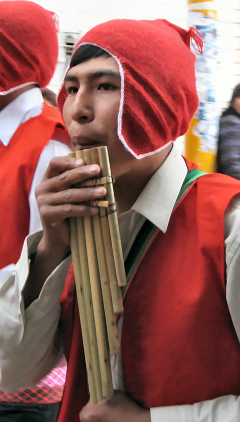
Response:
column 228, row 153
column 31, row 133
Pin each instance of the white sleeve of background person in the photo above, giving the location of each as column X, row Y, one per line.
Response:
column 30, row 342
column 225, row 408
column 52, row 149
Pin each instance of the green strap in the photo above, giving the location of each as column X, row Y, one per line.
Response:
column 191, row 176
column 148, row 229
column 143, row 238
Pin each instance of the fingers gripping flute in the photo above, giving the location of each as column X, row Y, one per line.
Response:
column 99, row 273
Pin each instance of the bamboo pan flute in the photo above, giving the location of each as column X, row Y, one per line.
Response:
column 99, row 272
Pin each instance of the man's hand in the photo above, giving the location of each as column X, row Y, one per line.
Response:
column 57, row 201
column 118, row 408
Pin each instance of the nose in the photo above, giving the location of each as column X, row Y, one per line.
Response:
column 82, row 109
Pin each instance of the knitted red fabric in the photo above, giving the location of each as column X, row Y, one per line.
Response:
column 28, row 45
column 158, row 86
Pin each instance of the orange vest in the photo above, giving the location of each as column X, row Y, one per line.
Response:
column 179, row 345
column 18, row 162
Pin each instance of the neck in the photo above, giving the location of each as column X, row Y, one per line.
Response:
column 129, row 186
column 8, row 98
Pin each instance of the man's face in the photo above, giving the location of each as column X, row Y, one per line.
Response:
column 91, row 109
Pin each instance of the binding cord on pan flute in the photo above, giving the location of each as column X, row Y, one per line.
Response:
column 99, row 272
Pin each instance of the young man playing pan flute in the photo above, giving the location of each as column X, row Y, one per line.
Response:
column 180, row 353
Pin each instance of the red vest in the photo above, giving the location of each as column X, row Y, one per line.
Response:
column 179, row 345
column 18, row 162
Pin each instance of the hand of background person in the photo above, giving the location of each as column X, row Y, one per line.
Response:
column 118, row 408
column 57, row 200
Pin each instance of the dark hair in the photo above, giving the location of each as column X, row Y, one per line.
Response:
column 230, row 110
column 86, row 52
column 49, row 96
column 236, row 93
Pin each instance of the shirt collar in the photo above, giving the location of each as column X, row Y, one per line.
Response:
column 26, row 105
column 158, row 198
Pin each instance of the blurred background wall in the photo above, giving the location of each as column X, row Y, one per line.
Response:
column 76, row 17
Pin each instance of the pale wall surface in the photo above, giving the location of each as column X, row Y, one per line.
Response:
column 78, row 16
column 229, row 49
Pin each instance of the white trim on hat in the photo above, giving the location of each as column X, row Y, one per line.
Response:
column 17, row 87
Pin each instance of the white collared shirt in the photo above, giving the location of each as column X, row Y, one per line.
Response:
column 27, row 337
column 27, row 105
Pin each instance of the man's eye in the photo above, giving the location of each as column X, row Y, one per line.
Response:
column 72, row 90
column 106, row 87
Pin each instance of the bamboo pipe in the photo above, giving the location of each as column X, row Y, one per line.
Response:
column 91, row 323
column 111, row 323
column 97, row 300
column 82, row 311
column 83, row 289
column 112, row 219
column 95, row 286
column 106, row 238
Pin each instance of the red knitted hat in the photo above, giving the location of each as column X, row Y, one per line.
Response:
column 158, row 86
column 28, row 45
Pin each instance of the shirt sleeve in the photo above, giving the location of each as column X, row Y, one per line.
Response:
column 5, row 271
column 54, row 148
column 30, row 340
column 225, row 408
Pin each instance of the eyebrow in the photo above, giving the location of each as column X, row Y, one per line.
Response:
column 95, row 75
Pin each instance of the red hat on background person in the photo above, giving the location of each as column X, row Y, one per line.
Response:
column 28, row 45
column 158, row 85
